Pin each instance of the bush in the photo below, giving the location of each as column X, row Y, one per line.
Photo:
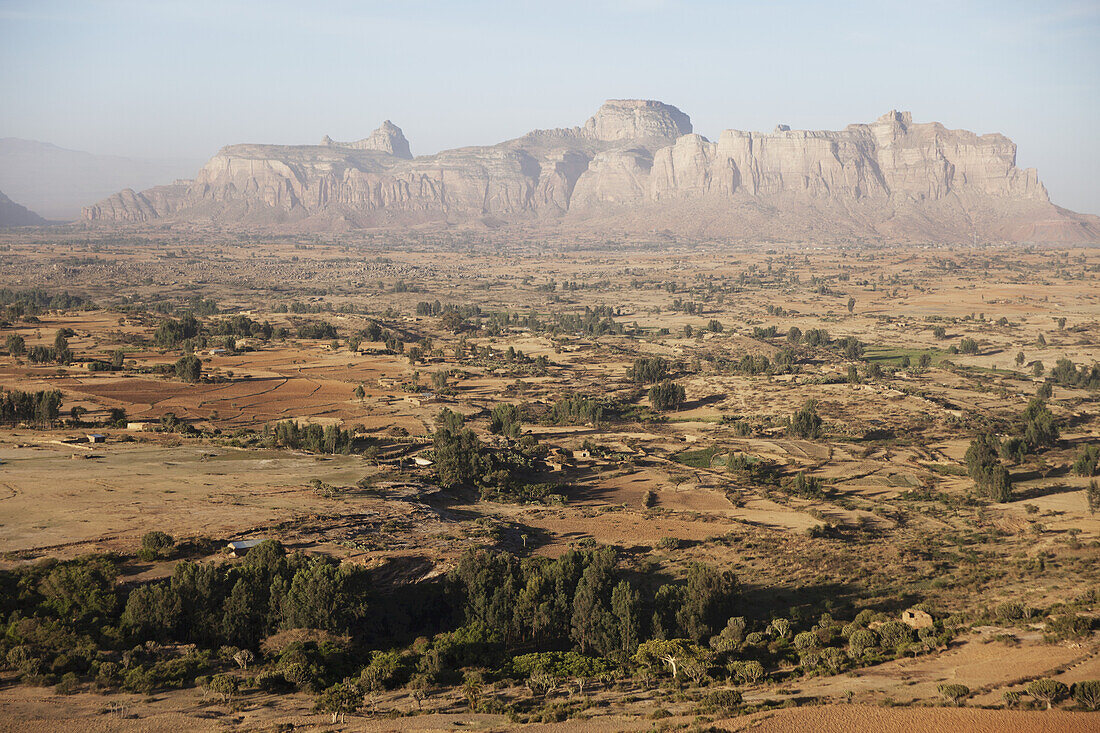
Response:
column 156, row 545
column 953, row 693
column 723, row 699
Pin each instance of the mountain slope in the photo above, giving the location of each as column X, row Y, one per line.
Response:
column 14, row 215
column 636, row 165
column 57, row 182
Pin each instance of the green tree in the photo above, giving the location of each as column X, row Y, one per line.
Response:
column 666, row 396
column 1048, row 691
column 806, row 423
column 16, row 345
column 626, row 607
column 457, row 450
column 313, row 600
column 189, row 368
column 504, row 420
column 1040, row 429
column 342, row 698
column 81, row 589
column 1087, row 694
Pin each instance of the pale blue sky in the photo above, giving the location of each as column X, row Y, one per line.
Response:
column 181, row 78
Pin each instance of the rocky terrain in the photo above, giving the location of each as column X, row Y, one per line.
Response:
column 14, row 215
column 635, row 166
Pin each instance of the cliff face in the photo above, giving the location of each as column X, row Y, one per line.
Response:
column 636, row 164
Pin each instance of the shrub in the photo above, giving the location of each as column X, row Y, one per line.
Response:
column 723, row 699
column 953, row 693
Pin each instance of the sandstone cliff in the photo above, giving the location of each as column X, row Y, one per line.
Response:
column 636, row 165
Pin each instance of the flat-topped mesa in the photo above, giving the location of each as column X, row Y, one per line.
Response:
column 637, row 119
column 388, row 139
column 637, row 165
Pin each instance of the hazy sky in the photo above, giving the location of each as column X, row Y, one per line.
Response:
column 181, row 78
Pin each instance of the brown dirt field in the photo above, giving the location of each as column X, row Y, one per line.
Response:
column 847, row 718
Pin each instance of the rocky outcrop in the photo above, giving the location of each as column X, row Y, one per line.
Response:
column 14, row 215
column 388, row 139
column 636, row 164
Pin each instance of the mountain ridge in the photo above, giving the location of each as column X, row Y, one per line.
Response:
column 635, row 165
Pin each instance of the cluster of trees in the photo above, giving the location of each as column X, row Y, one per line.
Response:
column 242, row 326
column 38, row 408
column 648, row 370
column 462, row 460
column 666, row 395
column 580, row 615
column 16, row 304
column 983, row 462
column 576, row 410
column 315, row 330
column 171, row 333
column 59, row 353
column 504, row 420
column 314, row 438
column 1067, row 373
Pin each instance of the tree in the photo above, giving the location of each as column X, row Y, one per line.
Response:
column 243, row 658
column 157, row 544
column 340, row 699
column 16, row 345
column 1087, row 694
column 1040, row 430
column 806, row 423
column 671, row 653
column 750, row 672
column 189, row 368
column 985, row 468
column 626, row 608
column 794, row 335
column 851, row 304
column 666, row 396
column 313, row 599
column 224, row 686
column 359, row 392
column 1048, row 691
column 953, row 693
column 1087, row 461
column 118, row 357
column 1092, row 493
column 458, row 459
column 80, row 589
column 472, row 688
column 504, row 420
column 925, row 360
column 648, row 370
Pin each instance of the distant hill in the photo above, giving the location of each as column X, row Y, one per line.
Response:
column 57, row 182
column 14, row 215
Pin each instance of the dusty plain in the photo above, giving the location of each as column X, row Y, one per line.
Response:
column 899, row 524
